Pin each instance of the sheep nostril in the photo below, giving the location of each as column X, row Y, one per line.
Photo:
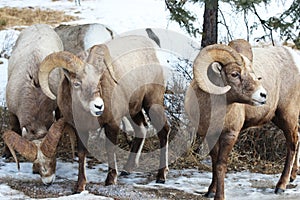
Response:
column 99, row 107
column 263, row 95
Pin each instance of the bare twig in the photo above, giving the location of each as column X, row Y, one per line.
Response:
column 229, row 35
column 263, row 23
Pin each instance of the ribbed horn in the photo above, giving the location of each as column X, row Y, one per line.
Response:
column 61, row 59
column 50, row 141
column 16, row 142
column 222, row 54
column 101, row 52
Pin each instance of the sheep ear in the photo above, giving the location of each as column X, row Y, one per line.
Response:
column 243, row 47
column 69, row 75
column 66, row 73
column 101, row 52
column 216, row 67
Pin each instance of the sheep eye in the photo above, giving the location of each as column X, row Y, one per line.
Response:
column 77, row 84
column 235, row 74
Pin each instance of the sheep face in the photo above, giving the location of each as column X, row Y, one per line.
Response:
column 233, row 66
column 41, row 152
column 34, row 131
column 45, row 166
column 86, row 90
column 245, row 86
column 83, row 75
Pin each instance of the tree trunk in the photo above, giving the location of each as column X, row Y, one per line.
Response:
column 210, row 23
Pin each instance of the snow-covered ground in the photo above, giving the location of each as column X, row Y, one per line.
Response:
column 123, row 16
column 240, row 185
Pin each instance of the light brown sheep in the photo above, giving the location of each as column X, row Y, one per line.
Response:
column 131, row 79
column 235, row 87
column 29, row 108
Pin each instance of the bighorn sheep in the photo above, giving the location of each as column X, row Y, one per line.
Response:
column 84, row 36
column 115, row 79
column 30, row 110
column 252, row 86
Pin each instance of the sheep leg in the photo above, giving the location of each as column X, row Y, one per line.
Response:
column 111, row 132
column 295, row 165
column 226, row 143
column 82, row 152
column 213, row 186
column 289, row 125
column 159, row 121
column 163, row 170
column 137, row 123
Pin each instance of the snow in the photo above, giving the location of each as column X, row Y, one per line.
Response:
column 240, row 185
column 3, row 80
column 124, row 16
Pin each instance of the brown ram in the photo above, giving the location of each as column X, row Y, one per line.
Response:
column 235, row 87
column 30, row 110
column 131, row 79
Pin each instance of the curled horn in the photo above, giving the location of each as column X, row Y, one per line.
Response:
column 15, row 142
column 62, row 59
column 98, row 52
column 222, row 54
column 50, row 141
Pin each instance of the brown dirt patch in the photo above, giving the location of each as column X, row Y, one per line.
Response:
column 12, row 17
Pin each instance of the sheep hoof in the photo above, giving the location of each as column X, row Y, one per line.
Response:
column 107, row 183
column 209, row 194
column 161, row 181
column 110, row 181
column 124, row 173
column 78, row 190
column 279, row 191
column 292, row 180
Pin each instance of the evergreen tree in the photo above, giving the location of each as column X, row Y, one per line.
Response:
column 288, row 23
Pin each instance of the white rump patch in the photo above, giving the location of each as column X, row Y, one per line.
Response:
column 296, row 57
column 96, row 34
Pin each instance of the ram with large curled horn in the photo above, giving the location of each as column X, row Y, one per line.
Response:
column 235, row 87
column 104, row 84
column 31, row 112
column 41, row 152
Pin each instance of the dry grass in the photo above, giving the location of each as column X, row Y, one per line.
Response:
column 12, row 17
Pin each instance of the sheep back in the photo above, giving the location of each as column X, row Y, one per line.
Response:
column 24, row 96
